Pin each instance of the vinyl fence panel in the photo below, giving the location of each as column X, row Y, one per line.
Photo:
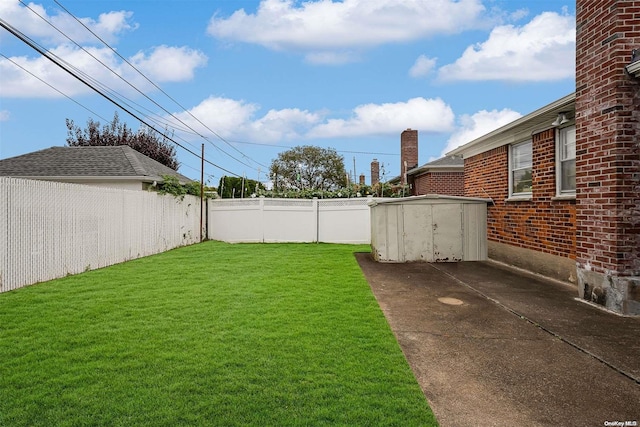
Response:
column 289, row 220
column 344, row 221
column 50, row 229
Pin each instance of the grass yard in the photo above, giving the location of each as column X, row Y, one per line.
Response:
column 211, row 334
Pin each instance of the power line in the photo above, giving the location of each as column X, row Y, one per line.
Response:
column 161, row 90
column 265, row 144
column 123, row 100
column 31, row 43
column 106, row 88
column 55, row 89
column 51, row 86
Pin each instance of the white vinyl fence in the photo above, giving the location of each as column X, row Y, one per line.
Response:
column 290, row 220
column 50, row 229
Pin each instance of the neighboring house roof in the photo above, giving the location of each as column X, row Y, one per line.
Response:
column 520, row 129
column 444, row 164
column 395, row 180
column 95, row 162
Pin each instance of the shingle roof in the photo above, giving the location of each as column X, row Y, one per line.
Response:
column 448, row 162
column 98, row 161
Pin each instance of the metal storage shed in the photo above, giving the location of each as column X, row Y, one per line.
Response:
column 429, row 228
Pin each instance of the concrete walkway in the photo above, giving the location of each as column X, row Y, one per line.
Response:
column 494, row 347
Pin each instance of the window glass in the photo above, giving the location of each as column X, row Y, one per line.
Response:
column 568, row 178
column 567, row 160
column 521, row 161
column 522, row 156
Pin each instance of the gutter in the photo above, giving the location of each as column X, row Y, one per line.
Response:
column 559, row 104
column 439, row 168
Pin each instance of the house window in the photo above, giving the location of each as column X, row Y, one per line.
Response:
column 520, row 161
column 566, row 161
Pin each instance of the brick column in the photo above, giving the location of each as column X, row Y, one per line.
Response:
column 375, row 172
column 408, row 151
column 608, row 155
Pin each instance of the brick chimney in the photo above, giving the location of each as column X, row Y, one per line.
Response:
column 408, row 152
column 361, row 179
column 608, row 154
column 375, row 172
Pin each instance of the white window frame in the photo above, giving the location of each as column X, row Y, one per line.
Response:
column 524, row 194
column 561, row 138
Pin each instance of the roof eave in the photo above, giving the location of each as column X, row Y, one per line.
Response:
column 436, row 168
column 73, row 178
column 502, row 135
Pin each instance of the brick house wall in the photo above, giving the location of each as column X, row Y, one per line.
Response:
column 608, row 154
column 448, row 183
column 543, row 224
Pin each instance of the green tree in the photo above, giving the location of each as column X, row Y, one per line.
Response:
column 308, row 168
column 231, row 186
column 145, row 140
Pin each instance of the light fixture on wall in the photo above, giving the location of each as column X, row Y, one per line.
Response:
column 634, row 67
column 561, row 119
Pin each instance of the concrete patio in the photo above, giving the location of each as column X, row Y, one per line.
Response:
column 491, row 346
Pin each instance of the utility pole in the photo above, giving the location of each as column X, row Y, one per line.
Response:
column 201, row 191
column 354, row 170
column 255, row 190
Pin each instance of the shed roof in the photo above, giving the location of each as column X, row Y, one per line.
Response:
column 87, row 162
column 427, row 199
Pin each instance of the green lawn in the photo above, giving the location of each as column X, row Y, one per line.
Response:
column 211, row 334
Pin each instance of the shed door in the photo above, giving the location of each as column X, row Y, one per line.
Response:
column 417, row 239
column 447, row 232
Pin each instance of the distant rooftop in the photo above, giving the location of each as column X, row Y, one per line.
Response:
column 95, row 161
column 447, row 162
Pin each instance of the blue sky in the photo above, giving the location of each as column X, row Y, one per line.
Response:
column 251, row 78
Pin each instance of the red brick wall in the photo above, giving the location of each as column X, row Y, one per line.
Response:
column 448, row 183
column 541, row 224
column 607, row 140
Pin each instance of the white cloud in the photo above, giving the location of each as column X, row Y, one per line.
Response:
column 109, row 26
column 318, row 27
column 18, row 83
column 4, row 115
column 541, row 50
column 422, row 67
column 169, row 64
column 227, row 117
column 477, row 125
column 427, row 115
column 287, row 124
column 233, row 119
column 518, row 14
